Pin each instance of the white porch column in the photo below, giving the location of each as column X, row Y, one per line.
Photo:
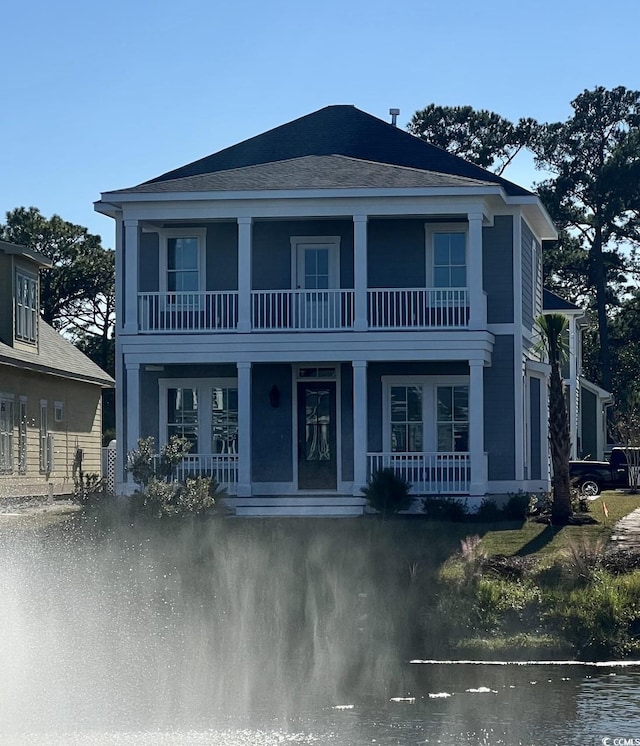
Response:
column 478, row 485
column 360, row 272
column 359, row 425
column 131, row 248
column 244, row 274
column 132, row 415
column 477, row 299
column 244, row 429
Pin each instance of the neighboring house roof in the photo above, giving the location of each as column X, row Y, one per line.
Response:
column 56, row 356
column 553, row 302
column 309, row 172
column 340, row 131
column 18, row 250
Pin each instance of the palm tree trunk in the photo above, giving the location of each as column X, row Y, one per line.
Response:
column 560, row 444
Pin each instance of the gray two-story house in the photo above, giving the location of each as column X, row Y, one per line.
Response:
column 326, row 299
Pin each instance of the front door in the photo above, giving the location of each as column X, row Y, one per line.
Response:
column 317, row 435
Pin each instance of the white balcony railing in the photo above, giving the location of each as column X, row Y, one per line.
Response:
column 198, row 311
column 304, row 310
column 427, row 473
column 222, row 467
column 418, row 308
column 317, row 310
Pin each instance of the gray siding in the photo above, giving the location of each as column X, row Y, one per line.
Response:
column 499, row 411
column 497, row 269
column 589, row 419
column 528, row 284
column 536, row 432
column 396, row 253
column 272, row 250
column 271, row 427
column 346, row 424
column 222, row 256
column 6, row 299
column 149, row 263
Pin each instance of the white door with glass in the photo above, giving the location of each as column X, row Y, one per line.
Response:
column 316, row 274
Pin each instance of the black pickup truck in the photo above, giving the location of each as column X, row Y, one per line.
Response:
column 591, row 477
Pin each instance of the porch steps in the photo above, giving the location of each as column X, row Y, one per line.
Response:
column 301, row 505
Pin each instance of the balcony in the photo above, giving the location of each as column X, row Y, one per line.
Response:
column 388, row 309
column 428, row 473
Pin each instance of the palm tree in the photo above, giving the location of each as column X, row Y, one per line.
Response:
column 553, row 340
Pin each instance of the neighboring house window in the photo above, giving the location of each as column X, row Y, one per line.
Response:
column 26, row 307
column 204, row 411
column 58, row 411
column 426, row 414
column 44, row 432
column 453, row 418
column 22, row 435
column 6, row 434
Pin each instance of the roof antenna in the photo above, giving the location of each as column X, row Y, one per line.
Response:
column 394, row 116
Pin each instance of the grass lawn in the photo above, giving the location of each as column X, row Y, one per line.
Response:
column 548, row 541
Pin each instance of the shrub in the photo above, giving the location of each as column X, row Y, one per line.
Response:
column 444, row 509
column 143, row 465
column 489, row 511
column 581, row 559
column 387, row 492
column 519, row 506
column 195, row 496
column 87, row 487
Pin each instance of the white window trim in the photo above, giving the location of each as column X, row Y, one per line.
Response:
column 35, row 311
column 22, row 462
column 10, row 399
column 165, row 234
column 43, row 435
column 333, row 242
column 430, row 229
column 429, row 386
column 204, row 418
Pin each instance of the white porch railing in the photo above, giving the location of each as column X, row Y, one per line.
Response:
column 222, row 467
column 317, row 310
column 199, row 311
column 418, row 308
column 427, row 473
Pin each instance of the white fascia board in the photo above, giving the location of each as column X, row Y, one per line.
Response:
column 536, row 215
column 601, row 393
column 115, row 198
column 277, row 209
column 537, row 368
column 307, row 347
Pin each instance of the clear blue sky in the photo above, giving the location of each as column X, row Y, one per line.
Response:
column 104, row 96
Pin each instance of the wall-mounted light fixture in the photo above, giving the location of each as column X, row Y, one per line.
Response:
column 274, row 396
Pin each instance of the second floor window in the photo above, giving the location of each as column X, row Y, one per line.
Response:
column 449, row 260
column 183, row 264
column 26, row 301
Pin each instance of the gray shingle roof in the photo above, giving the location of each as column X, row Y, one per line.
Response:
column 309, row 172
column 56, row 356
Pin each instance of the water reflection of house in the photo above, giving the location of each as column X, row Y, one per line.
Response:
column 50, row 392
column 356, row 296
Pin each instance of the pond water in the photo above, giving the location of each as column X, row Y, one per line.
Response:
column 253, row 633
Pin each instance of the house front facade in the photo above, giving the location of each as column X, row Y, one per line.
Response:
column 327, row 299
column 50, row 392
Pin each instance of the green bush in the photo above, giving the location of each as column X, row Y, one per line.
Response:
column 519, row 506
column 143, row 465
column 387, row 492
column 194, row 497
column 87, row 487
column 488, row 512
column 444, row 509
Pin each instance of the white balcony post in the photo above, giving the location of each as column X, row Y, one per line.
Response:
column 244, row 274
column 360, row 434
column 360, row 271
column 131, row 248
column 477, row 300
column 244, row 429
column 132, row 415
column 478, row 481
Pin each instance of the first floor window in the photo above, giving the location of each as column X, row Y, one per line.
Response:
column 204, row 411
column 427, row 415
column 6, row 435
column 453, row 418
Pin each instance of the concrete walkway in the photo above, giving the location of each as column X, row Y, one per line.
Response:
column 626, row 534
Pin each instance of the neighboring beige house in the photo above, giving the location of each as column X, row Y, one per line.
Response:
column 50, row 392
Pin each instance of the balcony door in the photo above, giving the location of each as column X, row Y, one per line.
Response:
column 317, row 458
column 316, row 261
